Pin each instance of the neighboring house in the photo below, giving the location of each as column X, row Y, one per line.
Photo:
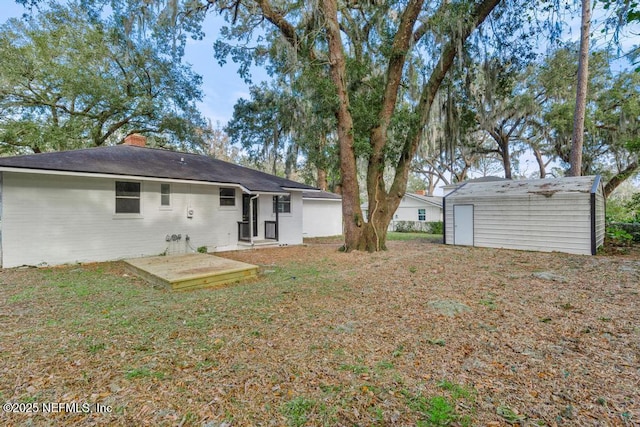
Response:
column 129, row 201
column 322, row 214
column 419, row 207
column 416, row 208
column 562, row 214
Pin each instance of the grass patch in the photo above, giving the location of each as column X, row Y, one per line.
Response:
column 403, row 237
column 356, row 369
column 435, row 411
column 137, row 373
column 298, row 410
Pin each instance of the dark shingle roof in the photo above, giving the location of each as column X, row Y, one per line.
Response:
column 321, row 195
column 153, row 163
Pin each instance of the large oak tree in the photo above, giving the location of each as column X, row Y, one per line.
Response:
column 370, row 52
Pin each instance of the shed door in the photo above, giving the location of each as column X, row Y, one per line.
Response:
column 463, row 225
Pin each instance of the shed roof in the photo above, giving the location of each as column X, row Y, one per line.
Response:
column 524, row 187
column 154, row 163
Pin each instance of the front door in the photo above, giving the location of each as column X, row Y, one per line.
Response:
column 463, row 225
column 246, row 203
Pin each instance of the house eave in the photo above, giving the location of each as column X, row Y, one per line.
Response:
column 124, row 177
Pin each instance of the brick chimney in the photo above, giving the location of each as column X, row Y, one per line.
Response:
column 421, row 192
column 135, row 139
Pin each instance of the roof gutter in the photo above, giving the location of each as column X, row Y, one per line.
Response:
column 127, row 177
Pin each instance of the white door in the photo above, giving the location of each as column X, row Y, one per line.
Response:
column 463, row 225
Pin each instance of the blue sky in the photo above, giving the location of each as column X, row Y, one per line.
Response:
column 222, row 86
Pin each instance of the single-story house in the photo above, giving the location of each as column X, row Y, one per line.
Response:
column 129, row 201
column 416, row 209
column 561, row 214
column 321, row 214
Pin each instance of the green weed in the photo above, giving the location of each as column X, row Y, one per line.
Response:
column 356, row 369
column 297, row 411
column 136, row 373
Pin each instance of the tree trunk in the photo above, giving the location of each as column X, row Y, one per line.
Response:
column 506, row 157
column 321, row 181
column 354, row 223
column 620, row 177
column 575, row 158
column 541, row 166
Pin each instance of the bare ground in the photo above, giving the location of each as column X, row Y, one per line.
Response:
column 472, row 336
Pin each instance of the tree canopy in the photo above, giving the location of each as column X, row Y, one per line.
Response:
column 72, row 78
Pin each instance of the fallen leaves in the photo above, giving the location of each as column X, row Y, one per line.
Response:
column 344, row 343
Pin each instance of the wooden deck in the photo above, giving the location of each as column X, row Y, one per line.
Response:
column 191, row 271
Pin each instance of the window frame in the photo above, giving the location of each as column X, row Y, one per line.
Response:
column 229, row 201
column 423, row 214
column 163, row 195
column 282, row 201
column 128, row 197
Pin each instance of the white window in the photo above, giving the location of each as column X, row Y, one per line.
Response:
column 127, row 197
column 422, row 214
column 165, row 194
column 227, row 197
column 282, row 204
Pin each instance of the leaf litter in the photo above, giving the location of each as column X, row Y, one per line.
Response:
column 328, row 338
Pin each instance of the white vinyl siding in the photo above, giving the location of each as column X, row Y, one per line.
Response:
column 289, row 225
column 408, row 210
column 322, row 217
column 58, row 219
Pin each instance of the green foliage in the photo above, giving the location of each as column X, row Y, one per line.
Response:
column 633, row 208
column 437, row 411
column 618, row 236
column 297, row 411
column 285, row 119
column 73, row 78
column 435, row 227
column 202, row 249
column 611, row 122
column 143, row 372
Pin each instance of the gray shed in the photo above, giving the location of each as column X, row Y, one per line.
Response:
column 561, row 214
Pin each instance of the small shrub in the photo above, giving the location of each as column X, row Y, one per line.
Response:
column 202, row 249
column 437, row 227
column 617, row 236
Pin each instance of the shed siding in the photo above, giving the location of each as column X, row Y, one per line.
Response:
column 322, row 218
column 534, row 222
column 58, row 219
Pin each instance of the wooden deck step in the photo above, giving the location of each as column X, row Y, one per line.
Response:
column 260, row 243
column 191, row 271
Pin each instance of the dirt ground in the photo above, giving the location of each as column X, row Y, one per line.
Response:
column 422, row 334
